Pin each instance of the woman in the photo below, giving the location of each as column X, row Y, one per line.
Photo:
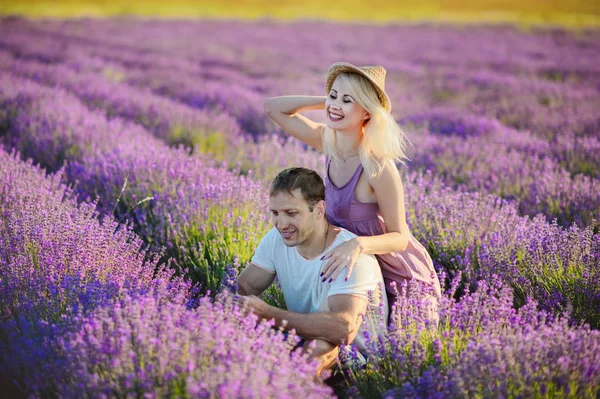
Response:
column 360, row 135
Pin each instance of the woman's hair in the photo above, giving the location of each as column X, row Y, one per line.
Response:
column 383, row 140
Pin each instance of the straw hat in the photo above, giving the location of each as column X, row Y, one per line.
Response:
column 375, row 75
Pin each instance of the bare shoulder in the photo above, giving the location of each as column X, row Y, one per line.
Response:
column 388, row 178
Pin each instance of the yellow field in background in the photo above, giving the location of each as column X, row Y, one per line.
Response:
column 571, row 13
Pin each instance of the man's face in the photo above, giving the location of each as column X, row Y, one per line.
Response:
column 292, row 217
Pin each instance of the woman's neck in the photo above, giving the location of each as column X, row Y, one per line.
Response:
column 347, row 143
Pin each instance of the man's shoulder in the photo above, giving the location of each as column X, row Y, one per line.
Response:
column 266, row 253
column 269, row 242
column 273, row 240
column 344, row 235
column 272, row 236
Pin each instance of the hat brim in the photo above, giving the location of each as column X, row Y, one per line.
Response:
column 342, row 67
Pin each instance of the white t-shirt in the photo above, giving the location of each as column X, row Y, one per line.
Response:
column 305, row 293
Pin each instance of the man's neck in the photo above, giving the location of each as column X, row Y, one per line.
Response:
column 319, row 241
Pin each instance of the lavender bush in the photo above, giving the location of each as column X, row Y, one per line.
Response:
column 139, row 347
column 512, row 165
column 56, row 261
column 482, row 347
column 481, row 235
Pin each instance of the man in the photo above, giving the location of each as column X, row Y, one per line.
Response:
column 327, row 312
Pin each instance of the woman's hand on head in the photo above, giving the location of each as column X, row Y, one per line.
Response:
column 344, row 255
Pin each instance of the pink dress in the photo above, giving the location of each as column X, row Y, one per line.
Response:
column 364, row 219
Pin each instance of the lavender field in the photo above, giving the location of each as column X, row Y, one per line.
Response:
column 135, row 158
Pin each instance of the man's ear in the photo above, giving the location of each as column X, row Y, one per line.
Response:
column 320, row 208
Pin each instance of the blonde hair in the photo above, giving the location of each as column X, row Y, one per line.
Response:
column 382, row 140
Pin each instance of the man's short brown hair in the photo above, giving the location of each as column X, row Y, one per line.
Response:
column 308, row 181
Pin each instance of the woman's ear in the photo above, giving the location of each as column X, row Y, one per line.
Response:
column 367, row 116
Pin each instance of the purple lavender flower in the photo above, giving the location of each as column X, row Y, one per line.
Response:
column 140, row 347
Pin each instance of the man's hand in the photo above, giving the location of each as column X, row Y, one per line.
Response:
column 251, row 303
column 256, row 305
column 222, row 296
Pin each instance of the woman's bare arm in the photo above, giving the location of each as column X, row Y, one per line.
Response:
column 285, row 112
column 389, row 190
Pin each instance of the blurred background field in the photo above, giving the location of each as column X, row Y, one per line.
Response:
column 571, row 13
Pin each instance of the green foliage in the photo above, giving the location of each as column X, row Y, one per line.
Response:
column 199, row 140
column 274, row 296
column 204, row 249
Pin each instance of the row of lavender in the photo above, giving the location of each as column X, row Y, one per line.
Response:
column 455, row 69
column 82, row 314
column 206, row 216
column 199, row 131
column 552, row 170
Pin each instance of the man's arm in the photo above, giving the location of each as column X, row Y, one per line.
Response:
column 253, row 280
column 338, row 325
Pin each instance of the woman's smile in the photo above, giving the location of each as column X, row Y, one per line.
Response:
column 335, row 117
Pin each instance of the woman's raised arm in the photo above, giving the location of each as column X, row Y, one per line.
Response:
column 285, row 112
